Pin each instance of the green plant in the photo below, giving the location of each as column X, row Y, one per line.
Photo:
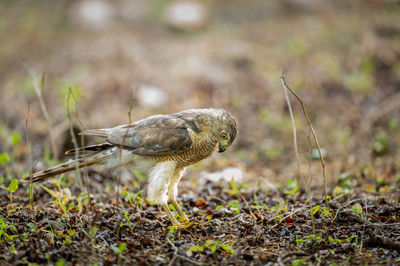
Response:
column 67, row 238
column 292, row 187
column 171, row 233
column 134, row 198
column 355, row 238
column 12, row 187
column 331, row 239
column 4, row 158
column 119, row 250
column 380, row 146
column 299, row 262
column 309, row 240
column 357, row 209
column 299, row 241
column 233, row 206
column 323, row 211
column 60, row 262
column 128, row 219
column 15, row 138
column 280, row 209
column 51, row 233
column 61, row 198
column 213, row 245
column 92, row 233
column 6, row 227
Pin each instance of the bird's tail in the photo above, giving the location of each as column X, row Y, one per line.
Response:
column 71, row 165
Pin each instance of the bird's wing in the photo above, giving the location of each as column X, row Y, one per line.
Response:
column 156, row 135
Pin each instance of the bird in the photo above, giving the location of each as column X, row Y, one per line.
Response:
column 161, row 145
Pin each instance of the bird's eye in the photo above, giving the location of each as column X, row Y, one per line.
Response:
column 224, row 136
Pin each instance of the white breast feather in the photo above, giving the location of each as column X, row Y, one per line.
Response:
column 159, row 179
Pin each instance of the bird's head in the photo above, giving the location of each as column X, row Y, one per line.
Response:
column 225, row 130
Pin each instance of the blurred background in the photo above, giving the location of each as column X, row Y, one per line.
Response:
column 156, row 56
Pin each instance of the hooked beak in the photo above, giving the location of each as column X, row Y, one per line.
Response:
column 222, row 148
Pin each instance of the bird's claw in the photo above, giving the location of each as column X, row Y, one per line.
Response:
column 183, row 218
column 183, row 225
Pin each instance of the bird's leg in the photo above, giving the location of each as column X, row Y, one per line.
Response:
column 182, row 215
column 171, row 216
column 172, row 191
column 175, row 223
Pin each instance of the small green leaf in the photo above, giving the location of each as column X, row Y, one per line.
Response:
column 367, row 65
column 357, row 208
column 299, row 262
column 213, row 248
column 196, row 248
column 122, row 247
column 71, row 206
column 314, row 209
column 4, row 158
column 227, row 248
column 13, row 186
column 15, row 138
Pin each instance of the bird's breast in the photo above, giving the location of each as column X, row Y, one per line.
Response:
column 196, row 153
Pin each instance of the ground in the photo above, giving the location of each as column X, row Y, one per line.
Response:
column 93, row 64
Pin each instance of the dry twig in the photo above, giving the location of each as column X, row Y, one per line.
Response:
column 296, row 151
column 85, row 172
column 38, row 90
column 29, row 151
column 74, row 141
column 312, row 131
column 120, row 152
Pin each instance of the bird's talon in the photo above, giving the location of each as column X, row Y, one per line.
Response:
column 184, row 225
column 184, row 219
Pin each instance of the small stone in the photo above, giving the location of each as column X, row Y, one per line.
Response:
column 186, row 15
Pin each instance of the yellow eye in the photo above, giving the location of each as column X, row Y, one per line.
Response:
column 224, row 136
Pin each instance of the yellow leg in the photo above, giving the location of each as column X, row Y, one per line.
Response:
column 172, row 191
column 170, row 215
column 175, row 223
column 183, row 216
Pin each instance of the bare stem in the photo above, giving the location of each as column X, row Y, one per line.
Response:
column 38, row 89
column 120, row 153
column 29, row 150
column 85, row 172
column 296, row 151
column 74, row 141
column 312, row 131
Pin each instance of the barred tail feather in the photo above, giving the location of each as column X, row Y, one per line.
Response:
column 71, row 165
column 90, row 149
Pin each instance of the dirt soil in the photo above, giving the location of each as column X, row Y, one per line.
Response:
column 121, row 61
column 240, row 226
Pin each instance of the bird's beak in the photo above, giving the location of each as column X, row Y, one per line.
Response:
column 222, row 148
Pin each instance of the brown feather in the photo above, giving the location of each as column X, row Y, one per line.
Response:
column 66, row 167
